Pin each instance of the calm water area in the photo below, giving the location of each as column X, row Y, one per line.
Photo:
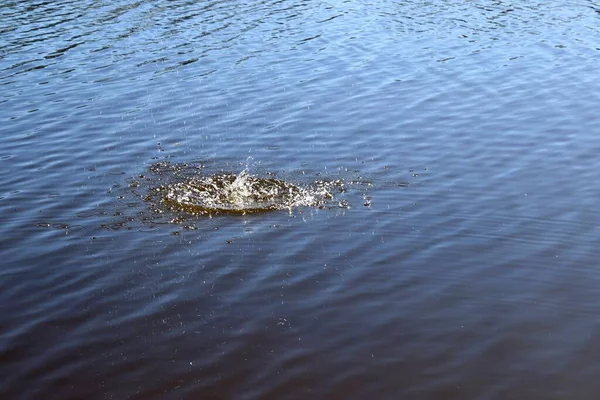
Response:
column 456, row 255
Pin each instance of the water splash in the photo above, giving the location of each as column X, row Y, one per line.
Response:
column 186, row 189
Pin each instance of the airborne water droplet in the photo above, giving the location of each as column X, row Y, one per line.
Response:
column 186, row 189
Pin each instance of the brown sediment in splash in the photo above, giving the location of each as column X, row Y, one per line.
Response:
column 185, row 188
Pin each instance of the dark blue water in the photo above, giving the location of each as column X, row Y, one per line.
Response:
column 458, row 261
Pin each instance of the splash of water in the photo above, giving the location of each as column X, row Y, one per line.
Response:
column 242, row 193
column 240, row 190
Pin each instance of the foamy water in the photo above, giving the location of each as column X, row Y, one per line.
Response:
column 186, row 188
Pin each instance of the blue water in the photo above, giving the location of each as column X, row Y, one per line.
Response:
column 459, row 261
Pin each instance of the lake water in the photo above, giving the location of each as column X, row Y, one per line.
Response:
column 457, row 259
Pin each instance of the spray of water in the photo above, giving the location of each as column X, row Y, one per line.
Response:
column 241, row 193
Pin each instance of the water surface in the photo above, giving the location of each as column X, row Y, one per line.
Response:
column 457, row 258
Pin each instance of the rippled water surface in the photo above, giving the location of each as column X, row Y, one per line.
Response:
column 451, row 149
